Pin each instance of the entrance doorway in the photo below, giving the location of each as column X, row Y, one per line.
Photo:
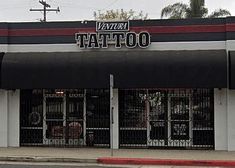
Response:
column 169, row 119
column 63, row 121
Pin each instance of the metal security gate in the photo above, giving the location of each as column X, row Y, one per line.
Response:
column 65, row 117
column 63, row 121
column 170, row 121
column 133, row 118
column 167, row 118
column 98, row 117
column 31, row 117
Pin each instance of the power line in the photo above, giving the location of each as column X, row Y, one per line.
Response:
column 45, row 10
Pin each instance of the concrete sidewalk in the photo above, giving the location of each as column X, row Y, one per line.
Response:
column 121, row 156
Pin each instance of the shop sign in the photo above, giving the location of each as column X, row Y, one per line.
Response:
column 112, row 26
column 113, row 33
column 179, row 130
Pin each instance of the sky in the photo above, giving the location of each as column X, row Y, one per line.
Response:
column 18, row 10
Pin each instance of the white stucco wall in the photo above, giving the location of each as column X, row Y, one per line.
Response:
column 220, row 119
column 13, row 118
column 3, row 118
column 231, row 120
column 9, row 118
column 160, row 46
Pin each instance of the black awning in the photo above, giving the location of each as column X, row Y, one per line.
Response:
column 232, row 70
column 1, row 57
column 131, row 69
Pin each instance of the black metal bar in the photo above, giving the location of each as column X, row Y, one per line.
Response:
column 188, row 121
column 178, row 118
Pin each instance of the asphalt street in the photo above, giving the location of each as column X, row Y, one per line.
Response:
column 77, row 165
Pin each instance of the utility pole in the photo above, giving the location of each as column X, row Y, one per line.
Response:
column 45, row 10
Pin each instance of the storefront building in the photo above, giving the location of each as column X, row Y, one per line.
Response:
column 173, row 84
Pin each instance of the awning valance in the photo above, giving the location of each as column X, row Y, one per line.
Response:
column 232, row 70
column 131, row 69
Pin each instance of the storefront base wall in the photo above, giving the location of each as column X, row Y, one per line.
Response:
column 220, row 118
column 224, row 119
column 9, row 118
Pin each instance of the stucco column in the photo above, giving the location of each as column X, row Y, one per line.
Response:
column 14, row 118
column 231, row 120
column 3, row 118
column 220, row 119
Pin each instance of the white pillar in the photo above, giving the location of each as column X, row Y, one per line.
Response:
column 14, row 118
column 3, row 118
column 231, row 120
column 220, row 119
column 116, row 120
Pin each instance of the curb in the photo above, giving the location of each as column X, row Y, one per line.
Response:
column 175, row 162
column 126, row 161
column 46, row 159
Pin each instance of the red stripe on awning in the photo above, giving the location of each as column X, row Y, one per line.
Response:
column 49, row 32
column 150, row 29
column 230, row 27
column 3, row 32
column 182, row 29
